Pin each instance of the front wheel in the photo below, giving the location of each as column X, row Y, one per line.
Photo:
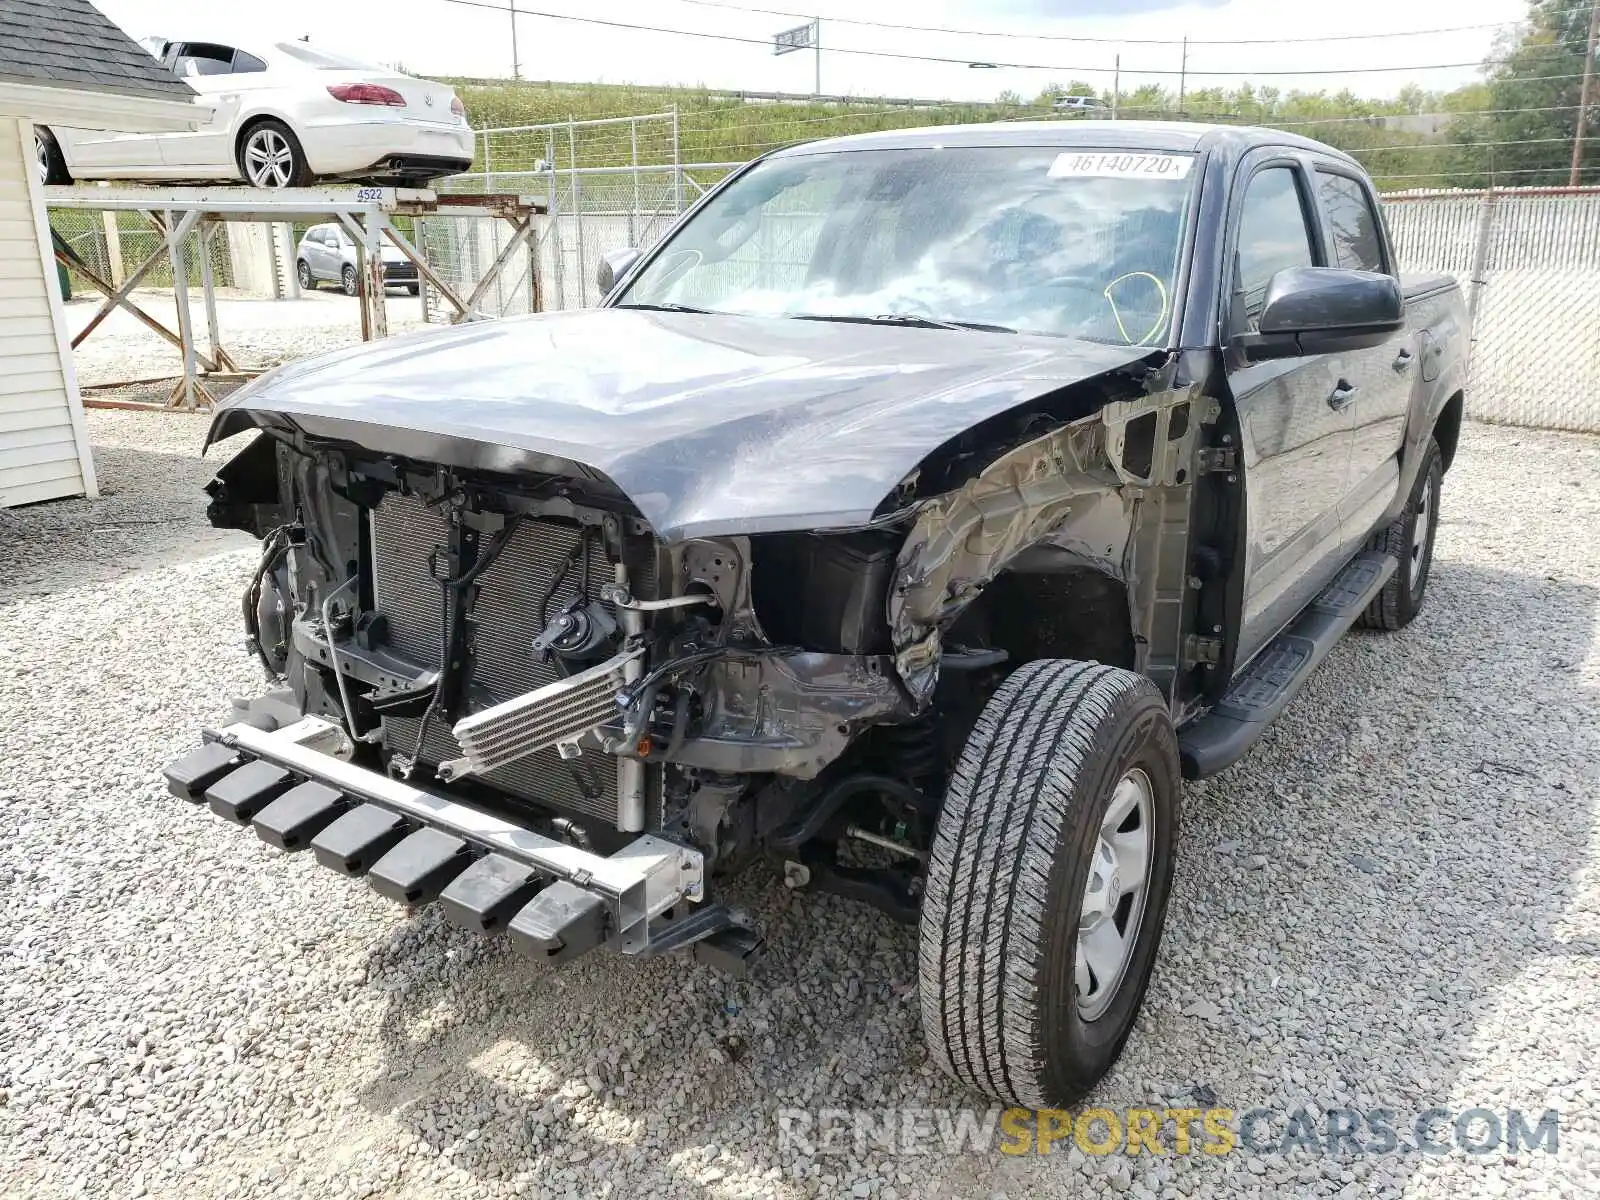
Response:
column 302, row 270
column 1048, row 881
column 349, row 280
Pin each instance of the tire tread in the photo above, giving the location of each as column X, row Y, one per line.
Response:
column 985, row 923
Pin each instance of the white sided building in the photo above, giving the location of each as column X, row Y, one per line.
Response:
column 61, row 63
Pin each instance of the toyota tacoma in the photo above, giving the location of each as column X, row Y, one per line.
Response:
column 915, row 517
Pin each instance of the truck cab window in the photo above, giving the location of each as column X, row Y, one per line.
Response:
column 1273, row 235
column 1352, row 223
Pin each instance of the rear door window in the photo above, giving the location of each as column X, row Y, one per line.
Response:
column 1352, row 222
column 203, row 58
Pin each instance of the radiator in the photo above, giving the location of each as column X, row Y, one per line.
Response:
column 504, row 622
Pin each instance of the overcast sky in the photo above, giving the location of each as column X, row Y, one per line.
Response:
column 439, row 38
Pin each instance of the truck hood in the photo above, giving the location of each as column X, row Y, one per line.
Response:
column 709, row 424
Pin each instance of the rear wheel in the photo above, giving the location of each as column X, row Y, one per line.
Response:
column 350, row 281
column 302, row 270
column 47, row 154
column 1409, row 539
column 270, row 157
column 1048, row 882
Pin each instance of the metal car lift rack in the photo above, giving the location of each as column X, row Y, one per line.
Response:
column 364, row 211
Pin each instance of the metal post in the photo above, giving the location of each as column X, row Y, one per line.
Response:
column 558, row 268
column 285, row 253
column 816, row 41
column 1183, row 74
column 516, row 62
column 633, row 213
column 1480, row 261
column 113, row 247
column 176, row 231
column 369, row 252
column 1583, row 94
column 208, row 290
column 677, row 165
column 577, row 211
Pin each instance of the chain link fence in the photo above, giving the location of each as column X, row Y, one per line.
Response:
column 1529, row 259
column 1530, row 262
column 113, row 245
column 605, row 183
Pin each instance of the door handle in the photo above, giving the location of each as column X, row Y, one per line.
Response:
column 1341, row 395
column 1402, row 360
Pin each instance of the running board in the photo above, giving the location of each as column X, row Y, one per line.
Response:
column 1259, row 696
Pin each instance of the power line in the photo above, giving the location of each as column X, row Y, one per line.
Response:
column 1020, row 66
column 1459, row 145
column 741, row 128
column 1063, row 37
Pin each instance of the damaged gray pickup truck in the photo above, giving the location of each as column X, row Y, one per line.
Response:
column 915, row 516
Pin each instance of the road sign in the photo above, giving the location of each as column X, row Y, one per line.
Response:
column 801, row 37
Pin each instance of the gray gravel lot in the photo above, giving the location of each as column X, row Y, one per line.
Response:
column 258, row 333
column 1393, row 903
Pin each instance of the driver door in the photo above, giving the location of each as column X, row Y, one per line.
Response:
column 1294, row 420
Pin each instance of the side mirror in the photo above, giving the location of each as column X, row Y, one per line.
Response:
column 1322, row 310
column 613, row 266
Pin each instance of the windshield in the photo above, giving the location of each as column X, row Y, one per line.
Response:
column 1032, row 239
column 321, row 60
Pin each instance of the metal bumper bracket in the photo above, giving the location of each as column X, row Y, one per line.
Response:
column 638, row 882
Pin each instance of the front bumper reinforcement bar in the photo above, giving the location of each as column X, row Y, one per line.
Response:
column 639, row 882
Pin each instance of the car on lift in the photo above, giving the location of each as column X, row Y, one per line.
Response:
column 917, row 515
column 327, row 254
column 284, row 115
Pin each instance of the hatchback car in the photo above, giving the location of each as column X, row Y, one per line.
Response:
column 327, row 254
column 279, row 116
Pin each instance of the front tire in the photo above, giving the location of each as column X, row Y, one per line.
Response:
column 270, row 157
column 1409, row 540
column 302, row 270
column 52, row 166
column 1048, row 882
column 349, row 281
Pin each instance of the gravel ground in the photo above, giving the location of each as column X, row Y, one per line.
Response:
column 258, row 333
column 1394, row 902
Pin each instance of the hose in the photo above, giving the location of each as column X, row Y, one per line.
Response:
column 338, row 669
column 274, row 547
column 452, row 613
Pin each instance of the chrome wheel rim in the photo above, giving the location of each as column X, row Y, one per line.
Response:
column 305, row 275
column 1114, row 895
column 268, row 159
column 1420, row 528
column 348, row 281
column 41, row 153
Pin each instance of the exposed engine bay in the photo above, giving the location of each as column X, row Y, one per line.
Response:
column 528, row 645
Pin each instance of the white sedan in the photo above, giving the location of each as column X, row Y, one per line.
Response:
column 282, row 117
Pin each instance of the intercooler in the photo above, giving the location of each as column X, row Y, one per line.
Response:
column 504, row 620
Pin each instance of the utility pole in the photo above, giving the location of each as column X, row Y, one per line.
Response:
column 1116, row 87
column 516, row 63
column 816, row 40
column 1584, row 92
column 1183, row 73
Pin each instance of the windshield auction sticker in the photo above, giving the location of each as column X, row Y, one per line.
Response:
column 1112, row 165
